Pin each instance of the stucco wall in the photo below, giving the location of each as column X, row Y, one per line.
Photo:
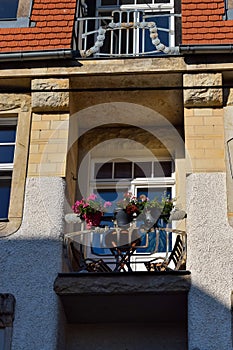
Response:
column 210, row 260
column 29, row 262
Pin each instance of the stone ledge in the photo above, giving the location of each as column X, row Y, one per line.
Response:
column 124, row 297
column 121, row 283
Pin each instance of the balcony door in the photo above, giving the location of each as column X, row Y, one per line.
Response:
column 111, row 179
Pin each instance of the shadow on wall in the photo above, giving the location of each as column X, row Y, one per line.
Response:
column 29, row 269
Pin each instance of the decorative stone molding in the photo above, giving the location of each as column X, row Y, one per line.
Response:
column 7, row 310
column 47, row 95
column 202, row 92
column 9, row 102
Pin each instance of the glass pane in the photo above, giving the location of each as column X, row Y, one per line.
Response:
column 7, row 154
column 151, row 193
column 8, row 9
column 5, row 189
column 7, row 133
column 109, row 2
column 103, row 171
column 112, row 195
column 143, row 169
column 123, row 170
column 161, row 22
column 162, row 169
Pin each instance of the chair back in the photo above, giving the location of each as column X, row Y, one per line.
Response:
column 177, row 253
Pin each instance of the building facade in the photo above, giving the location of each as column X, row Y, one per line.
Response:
column 105, row 97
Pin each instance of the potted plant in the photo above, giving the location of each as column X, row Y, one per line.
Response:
column 128, row 208
column 91, row 210
column 155, row 209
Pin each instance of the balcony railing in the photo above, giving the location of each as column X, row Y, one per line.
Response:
column 93, row 247
column 129, row 33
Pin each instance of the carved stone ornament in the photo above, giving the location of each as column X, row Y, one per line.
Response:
column 13, row 101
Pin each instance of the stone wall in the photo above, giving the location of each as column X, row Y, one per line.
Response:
column 48, row 146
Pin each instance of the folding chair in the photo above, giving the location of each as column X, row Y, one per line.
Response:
column 79, row 263
column 176, row 257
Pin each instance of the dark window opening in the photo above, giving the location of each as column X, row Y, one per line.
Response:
column 8, row 9
column 5, row 190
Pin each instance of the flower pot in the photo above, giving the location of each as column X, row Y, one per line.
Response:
column 93, row 219
column 122, row 218
column 151, row 216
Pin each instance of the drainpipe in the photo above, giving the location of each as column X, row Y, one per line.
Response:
column 39, row 55
column 205, row 49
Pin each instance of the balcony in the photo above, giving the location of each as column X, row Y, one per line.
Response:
column 89, row 296
column 131, row 31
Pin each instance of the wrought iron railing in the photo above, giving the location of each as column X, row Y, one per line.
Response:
column 128, row 33
column 93, row 246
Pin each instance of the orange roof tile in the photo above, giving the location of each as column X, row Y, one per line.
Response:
column 54, row 21
column 204, row 23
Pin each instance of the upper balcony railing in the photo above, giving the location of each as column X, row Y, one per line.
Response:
column 129, row 33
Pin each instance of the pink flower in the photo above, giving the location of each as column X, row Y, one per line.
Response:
column 92, row 197
column 107, row 204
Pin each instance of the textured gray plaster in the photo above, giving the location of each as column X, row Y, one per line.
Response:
column 210, row 260
column 29, row 262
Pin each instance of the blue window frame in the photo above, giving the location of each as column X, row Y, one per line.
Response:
column 8, row 9
column 7, row 149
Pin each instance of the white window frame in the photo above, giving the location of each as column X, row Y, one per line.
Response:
column 7, row 166
column 132, row 186
column 134, row 183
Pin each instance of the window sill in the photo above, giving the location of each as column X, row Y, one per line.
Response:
column 21, row 22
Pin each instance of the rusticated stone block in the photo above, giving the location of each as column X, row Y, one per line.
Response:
column 12, row 101
column 202, row 92
column 49, row 95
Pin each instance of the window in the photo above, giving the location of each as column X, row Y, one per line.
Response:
column 110, row 180
column 8, row 9
column 7, row 149
column 15, row 13
column 7, row 311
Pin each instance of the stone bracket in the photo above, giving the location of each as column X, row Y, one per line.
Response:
column 48, row 95
column 202, row 92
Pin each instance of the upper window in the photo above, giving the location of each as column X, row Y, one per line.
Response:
column 8, row 9
column 7, row 149
column 15, row 13
column 110, row 180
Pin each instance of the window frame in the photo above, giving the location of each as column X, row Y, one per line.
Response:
column 132, row 184
column 23, row 115
column 7, row 167
column 22, row 19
